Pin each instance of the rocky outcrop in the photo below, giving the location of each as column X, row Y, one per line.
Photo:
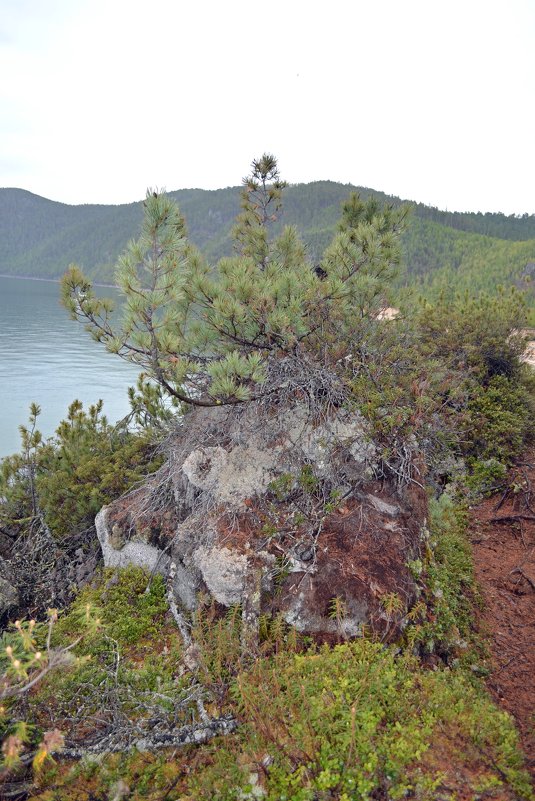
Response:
column 280, row 512
column 9, row 596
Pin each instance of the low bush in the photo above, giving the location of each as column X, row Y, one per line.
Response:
column 499, row 420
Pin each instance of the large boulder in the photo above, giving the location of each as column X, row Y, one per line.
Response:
column 279, row 511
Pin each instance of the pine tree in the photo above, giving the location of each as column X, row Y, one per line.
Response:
column 220, row 335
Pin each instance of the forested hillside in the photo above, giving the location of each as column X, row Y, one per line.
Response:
column 40, row 237
column 441, row 259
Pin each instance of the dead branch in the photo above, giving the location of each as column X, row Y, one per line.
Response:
column 177, row 615
column 193, row 734
column 511, row 518
column 502, row 500
column 528, row 579
column 18, row 790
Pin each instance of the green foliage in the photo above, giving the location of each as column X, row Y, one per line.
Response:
column 133, row 606
column 219, row 641
column 131, row 609
column 442, row 619
column 71, row 476
column 261, row 199
column 212, row 335
column 485, row 477
column 338, row 611
column 353, row 721
column 350, row 722
column 475, row 333
column 151, row 408
column 500, row 419
column 282, row 486
column 307, row 480
column 471, row 352
column 27, row 658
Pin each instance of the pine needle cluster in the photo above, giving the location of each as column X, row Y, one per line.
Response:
column 212, row 335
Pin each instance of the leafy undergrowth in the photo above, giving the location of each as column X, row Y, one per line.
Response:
column 440, row 622
column 352, row 722
column 357, row 721
column 124, row 672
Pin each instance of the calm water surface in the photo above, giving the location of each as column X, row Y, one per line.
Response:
column 47, row 358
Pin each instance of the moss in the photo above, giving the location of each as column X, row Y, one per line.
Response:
column 130, row 605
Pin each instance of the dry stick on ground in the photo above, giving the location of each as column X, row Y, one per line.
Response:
column 518, row 569
column 185, row 735
column 528, row 579
column 502, row 500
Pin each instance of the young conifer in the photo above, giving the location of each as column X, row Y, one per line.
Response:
column 216, row 335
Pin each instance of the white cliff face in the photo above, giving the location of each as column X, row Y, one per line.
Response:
column 231, row 476
column 224, row 573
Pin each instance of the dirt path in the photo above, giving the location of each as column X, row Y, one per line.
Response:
column 503, row 538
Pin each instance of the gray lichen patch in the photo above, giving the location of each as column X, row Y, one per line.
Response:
column 246, row 508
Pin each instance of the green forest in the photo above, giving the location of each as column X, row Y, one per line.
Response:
column 265, row 582
column 441, row 251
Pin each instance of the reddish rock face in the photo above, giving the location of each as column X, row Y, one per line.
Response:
column 361, row 559
column 352, row 574
column 302, row 529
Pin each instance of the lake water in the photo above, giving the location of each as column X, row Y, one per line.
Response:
column 48, row 358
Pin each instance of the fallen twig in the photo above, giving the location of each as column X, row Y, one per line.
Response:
column 186, row 735
column 528, row 579
column 502, row 499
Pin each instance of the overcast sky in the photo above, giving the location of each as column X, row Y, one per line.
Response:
column 430, row 100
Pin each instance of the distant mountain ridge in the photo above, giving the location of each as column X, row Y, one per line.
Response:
column 40, row 237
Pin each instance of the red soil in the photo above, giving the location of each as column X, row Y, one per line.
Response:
column 503, row 540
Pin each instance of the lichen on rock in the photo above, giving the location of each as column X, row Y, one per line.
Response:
column 9, row 596
column 279, row 499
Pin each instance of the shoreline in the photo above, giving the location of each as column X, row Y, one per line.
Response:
column 51, row 280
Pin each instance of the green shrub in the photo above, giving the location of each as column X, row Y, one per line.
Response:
column 499, row 420
column 71, row 476
column 441, row 619
column 485, row 477
column 355, row 722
